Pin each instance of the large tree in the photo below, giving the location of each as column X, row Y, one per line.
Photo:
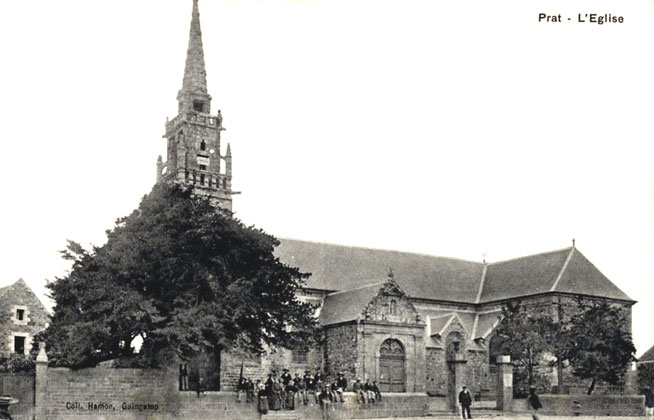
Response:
column 523, row 332
column 601, row 344
column 182, row 275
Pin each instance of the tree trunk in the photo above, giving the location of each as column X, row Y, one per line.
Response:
column 530, row 369
column 218, row 354
column 591, row 387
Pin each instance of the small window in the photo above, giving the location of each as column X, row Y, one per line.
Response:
column 198, row 106
column 225, row 183
column 20, row 314
column 202, row 179
column 19, row 345
column 300, row 356
column 203, row 167
column 203, row 145
column 393, row 307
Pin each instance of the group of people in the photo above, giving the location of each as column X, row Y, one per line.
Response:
column 280, row 392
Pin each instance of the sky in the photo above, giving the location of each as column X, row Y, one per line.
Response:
column 455, row 128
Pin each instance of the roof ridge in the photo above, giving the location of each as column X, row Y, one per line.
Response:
column 381, row 249
column 563, row 268
column 531, row 255
column 481, row 283
column 356, row 288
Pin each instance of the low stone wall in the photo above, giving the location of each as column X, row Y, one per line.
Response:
column 223, row 405
column 587, row 405
column 107, row 393
column 20, row 386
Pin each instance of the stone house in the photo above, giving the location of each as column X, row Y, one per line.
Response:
column 23, row 316
column 424, row 327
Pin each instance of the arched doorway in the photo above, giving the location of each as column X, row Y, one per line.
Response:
column 391, row 366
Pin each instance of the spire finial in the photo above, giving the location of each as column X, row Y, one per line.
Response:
column 573, row 242
column 484, row 257
column 194, row 95
column 391, row 276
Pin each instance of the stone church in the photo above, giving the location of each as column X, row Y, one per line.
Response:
column 413, row 323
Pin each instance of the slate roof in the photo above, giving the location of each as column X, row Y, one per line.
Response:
column 337, row 267
column 648, row 356
column 438, row 323
column 485, row 322
column 340, row 268
column 347, row 305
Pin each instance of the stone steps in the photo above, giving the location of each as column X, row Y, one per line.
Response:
column 280, row 415
column 478, row 413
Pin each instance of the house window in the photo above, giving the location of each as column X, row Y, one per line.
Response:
column 203, row 145
column 20, row 314
column 19, row 345
column 393, row 307
column 300, row 356
column 203, row 167
column 202, row 179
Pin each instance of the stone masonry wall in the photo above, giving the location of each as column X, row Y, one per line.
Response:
column 436, row 370
column 479, row 379
column 341, row 350
column 131, row 394
column 587, row 405
column 107, row 393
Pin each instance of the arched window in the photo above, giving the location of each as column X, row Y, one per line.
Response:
column 203, row 145
column 393, row 307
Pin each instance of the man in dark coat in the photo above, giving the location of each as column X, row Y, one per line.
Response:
column 534, row 402
column 465, row 399
column 341, row 386
column 301, row 386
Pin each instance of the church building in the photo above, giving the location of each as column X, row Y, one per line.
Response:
column 413, row 323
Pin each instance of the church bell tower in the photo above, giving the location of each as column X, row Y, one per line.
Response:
column 193, row 136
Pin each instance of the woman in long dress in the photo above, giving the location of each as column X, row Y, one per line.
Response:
column 276, row 401
column 290, row 396
column 262, row 397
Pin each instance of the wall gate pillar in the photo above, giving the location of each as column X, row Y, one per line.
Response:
column 457, row 365
column 504, row 383
column 40, row 383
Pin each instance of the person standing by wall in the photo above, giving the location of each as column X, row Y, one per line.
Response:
column 465, row 400
column 534, row 402
column 649, row 402
column 183, row 377
column 301, row 386
column 341, row 385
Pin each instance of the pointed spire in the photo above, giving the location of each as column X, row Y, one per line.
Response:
column 159, row 167
column 194, row 86
column 228, row 161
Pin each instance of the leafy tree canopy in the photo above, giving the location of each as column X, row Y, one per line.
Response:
column 601, row 342
column 523, row 333
column 594, row 338
column 182, row 275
